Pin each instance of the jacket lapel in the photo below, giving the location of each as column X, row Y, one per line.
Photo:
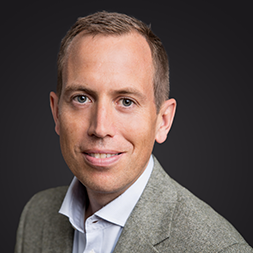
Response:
column 150, row 221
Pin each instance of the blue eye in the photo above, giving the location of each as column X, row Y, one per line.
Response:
column 127, row 102
column 81, row 99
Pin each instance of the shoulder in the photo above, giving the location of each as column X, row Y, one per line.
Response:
column 40, row 223
column 198, row 226
column 43, row 205
column 196, row 220
column 49, row 199
column 194, row 224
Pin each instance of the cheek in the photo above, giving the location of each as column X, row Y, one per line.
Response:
column 72, row 130
column 139, row 130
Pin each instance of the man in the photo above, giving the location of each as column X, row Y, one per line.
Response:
column 111, row 105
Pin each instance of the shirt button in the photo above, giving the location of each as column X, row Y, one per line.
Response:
column 92, row 251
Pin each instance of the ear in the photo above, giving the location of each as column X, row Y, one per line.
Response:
column 165, row 119
column 55, row 110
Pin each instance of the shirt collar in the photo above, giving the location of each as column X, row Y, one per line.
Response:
column 117, row 211
column 73, row 205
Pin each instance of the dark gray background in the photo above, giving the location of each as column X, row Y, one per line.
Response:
column 209, row 149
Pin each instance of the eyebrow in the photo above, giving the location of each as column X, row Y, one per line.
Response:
column 123, row 91
column 77, row 87
column 130, row 91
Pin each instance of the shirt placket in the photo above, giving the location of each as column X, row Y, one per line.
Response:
column 94, row 227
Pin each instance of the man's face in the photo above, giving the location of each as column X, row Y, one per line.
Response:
column 106, row 117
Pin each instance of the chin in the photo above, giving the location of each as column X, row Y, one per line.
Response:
column 105, row 187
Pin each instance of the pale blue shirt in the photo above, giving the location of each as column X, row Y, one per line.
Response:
column 101, row 231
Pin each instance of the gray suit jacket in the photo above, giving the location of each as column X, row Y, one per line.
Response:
column 167, row 218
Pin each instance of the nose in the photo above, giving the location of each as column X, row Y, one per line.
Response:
column 101, row 122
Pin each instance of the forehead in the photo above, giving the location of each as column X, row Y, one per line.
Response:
column 132, row 40
column 126, row 54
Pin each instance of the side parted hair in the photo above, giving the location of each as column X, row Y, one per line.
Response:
column 112, row 23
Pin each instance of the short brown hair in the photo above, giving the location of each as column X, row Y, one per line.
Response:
column 111, row 23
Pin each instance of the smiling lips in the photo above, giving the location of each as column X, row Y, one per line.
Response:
column 102, row 159
column 101, row 155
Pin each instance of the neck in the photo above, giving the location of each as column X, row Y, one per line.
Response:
column 97, row 201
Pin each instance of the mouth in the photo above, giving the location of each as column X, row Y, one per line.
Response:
column 102, row 158
column 102, row 155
